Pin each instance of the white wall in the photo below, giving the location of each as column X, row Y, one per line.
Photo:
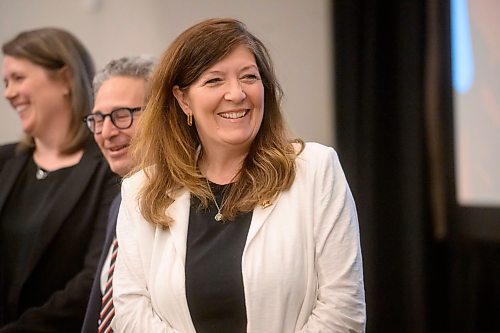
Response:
column 297, row 33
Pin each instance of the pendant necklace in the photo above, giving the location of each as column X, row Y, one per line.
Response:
column 41, row 173
column 218, row 217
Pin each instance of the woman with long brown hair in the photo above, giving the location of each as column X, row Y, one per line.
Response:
column 230, row 225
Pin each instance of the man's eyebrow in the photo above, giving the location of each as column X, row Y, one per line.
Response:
column 114, row 109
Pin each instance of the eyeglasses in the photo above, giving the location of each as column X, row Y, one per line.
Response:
column 122, row 118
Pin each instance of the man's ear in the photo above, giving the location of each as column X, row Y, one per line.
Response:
column 182, row 99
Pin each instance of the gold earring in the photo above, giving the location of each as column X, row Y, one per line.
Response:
column 190, row 119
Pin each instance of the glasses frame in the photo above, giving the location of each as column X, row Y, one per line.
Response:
column 130, row 110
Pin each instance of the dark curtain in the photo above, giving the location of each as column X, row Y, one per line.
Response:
column 392, row 119
column 380, row 142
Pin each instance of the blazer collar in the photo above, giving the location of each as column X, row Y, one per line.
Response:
column 179, row 209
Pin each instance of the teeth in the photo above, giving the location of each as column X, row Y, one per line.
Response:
column 233, row 115
column 20, row 108
column 118, row 148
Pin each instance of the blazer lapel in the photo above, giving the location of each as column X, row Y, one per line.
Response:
column 259, row 216
column 179, row 210
column 9, row 175
column 110, row 231
column 112, row 218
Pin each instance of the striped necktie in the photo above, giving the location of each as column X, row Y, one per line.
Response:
column 107, row 308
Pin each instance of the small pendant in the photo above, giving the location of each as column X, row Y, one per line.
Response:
column 218, row 217
column 41, row 174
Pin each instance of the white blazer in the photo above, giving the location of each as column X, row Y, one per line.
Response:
column 301, row 266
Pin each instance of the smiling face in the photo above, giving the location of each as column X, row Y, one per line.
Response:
column 226, row 101
column 38, row 98
column 115, row 93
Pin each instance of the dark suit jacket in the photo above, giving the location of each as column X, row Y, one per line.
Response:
column 94, row 305
column 51, row 291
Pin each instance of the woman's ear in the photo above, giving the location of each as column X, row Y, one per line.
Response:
column 65, row 79
column 182, row 99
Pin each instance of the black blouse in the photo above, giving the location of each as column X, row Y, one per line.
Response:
column 214, row 282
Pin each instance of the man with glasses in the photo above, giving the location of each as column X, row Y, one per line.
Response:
column 119, row 93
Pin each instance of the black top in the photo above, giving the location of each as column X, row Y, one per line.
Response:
column 19, row 226
column 214, row 282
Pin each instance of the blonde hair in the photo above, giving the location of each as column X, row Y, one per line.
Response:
column 166, row 147
column 53, row 49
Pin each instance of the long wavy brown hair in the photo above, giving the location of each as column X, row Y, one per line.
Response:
column 166, row 148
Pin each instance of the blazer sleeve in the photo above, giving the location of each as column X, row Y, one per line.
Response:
column 340, row 302
column 133, row 308
column 67, row 306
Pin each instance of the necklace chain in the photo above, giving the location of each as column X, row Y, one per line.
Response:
column 218, row 217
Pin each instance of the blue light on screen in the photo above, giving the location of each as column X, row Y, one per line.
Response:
column 461, row 48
